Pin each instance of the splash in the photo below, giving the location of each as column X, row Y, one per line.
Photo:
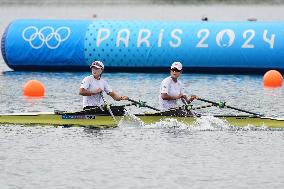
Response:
column 130, row 120
column 203, row 123
column 211, row 123
column 169, row 123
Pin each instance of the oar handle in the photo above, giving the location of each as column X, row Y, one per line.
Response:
column 238, row 109
column 144, row 105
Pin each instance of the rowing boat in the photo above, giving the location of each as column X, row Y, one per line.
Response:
column 109, row 116
column 106, row 121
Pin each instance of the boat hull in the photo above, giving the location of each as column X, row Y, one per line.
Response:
column 106, row 121
column 98, row 121
column 239, row 121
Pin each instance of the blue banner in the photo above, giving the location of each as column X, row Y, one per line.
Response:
column 140, row 45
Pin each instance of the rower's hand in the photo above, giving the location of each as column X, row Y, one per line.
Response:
column 183, row 97
column 180, row 96
column 193, row 97
column 98, row 91
column 124, row 98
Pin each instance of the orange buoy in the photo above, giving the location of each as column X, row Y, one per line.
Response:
column 33, row 88
column 272, row 78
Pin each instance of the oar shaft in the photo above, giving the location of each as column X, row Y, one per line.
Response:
column 249, row 112
column 200, row 107
column 209, row 101
column 108, row 108
column 238, row 109
column 136, row 102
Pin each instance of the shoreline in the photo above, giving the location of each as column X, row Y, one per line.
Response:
column 155, row 12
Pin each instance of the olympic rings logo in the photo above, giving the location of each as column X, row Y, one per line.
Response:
column 47, row 35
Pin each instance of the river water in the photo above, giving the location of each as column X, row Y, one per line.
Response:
column 164, row 155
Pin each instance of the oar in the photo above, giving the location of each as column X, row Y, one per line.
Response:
column 143, row 104
column 108, row 108
column 186, row 104
column 222, row 104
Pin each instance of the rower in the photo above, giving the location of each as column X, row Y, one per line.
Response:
column 172, row 89
column 92, row 87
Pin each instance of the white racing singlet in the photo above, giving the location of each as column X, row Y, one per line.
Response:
column 171, row 88
column 91, row 84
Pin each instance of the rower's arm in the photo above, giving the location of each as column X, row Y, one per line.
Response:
column 117, row 97
column 165, row 96
column 85, row 92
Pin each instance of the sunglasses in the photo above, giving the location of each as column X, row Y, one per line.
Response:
column 175, row 70
column 95, row 68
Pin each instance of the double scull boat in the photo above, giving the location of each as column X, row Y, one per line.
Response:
column 107, row 121
column 107, row 117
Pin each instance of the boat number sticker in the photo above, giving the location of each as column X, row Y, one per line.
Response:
column 78, row 117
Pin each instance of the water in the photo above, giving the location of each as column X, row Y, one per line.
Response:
column 134, row 2
column 139, row 158
column 164, row 155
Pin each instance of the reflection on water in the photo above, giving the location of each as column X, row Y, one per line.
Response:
column 134, row 2
column 127, row 156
